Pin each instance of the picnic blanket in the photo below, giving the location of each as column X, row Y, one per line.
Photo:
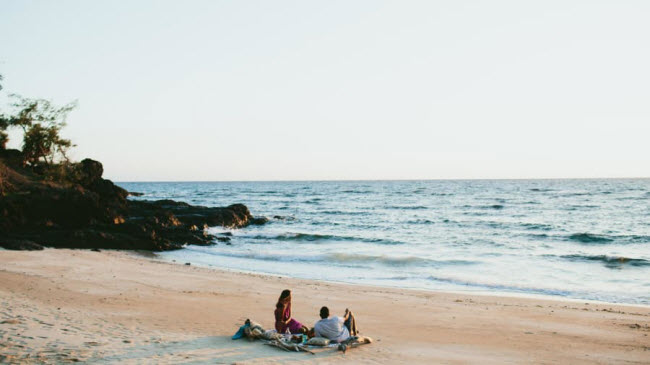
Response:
column 253, row 330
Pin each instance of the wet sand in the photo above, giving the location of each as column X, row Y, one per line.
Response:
column 118, row 307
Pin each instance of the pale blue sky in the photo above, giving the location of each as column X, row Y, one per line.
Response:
column 282, row 90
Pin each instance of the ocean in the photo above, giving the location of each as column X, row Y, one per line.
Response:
column 579, row 239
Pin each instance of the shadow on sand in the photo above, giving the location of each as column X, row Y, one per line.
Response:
column 210, row 350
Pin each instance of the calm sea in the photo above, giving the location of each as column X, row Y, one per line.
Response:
column 583, row 239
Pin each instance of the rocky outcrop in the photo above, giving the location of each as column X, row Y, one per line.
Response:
column 14, row 244
column 87, row 211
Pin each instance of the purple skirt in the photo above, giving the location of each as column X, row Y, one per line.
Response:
column 293, row 326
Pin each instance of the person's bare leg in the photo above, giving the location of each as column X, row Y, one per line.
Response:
column 353, row 325
column 350, row 323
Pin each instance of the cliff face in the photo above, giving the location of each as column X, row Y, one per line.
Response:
column 86, row 211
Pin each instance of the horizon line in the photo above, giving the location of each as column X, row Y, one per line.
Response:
column 385, row 180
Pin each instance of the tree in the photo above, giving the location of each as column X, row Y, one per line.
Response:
column 44, row 142
column 4, row 124
column 41, row 122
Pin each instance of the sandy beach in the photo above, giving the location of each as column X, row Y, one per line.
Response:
column 120, row 307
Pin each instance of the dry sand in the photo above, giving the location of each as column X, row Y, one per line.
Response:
column 117, row 307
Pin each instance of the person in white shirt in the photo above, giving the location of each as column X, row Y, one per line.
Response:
column 336, row 329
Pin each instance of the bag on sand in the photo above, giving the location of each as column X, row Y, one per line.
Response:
column 318, row 341
column 254, row 330
column 271, row 335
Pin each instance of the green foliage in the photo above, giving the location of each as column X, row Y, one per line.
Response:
column 41, row 122
column 35, row 111
column 4, row 124
column 64, row 172
column 43, row 142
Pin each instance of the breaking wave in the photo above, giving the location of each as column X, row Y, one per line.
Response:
column 609, row 261
column 339, row 258
column 600, row 238
column 314, row 237
column 589, row 238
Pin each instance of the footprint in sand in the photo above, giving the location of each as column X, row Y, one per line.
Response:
column 11, row 321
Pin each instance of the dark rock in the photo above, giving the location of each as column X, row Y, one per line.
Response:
column 135, row 193
column 235, row 216
column 89, row 171
column 56, row 206
column 11, row 157
column 20, row 245
column 188, row 264
column 228, row 234
column 258, row 221
column 92, row 212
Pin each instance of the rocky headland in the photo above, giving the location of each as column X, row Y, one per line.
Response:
column 83, row 210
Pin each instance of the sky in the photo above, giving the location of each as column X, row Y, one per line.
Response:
column 329, row 90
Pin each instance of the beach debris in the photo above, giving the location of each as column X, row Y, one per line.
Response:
column 288, row 346
column 188, row 263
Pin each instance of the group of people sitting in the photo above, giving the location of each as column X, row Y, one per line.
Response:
column 336, row 329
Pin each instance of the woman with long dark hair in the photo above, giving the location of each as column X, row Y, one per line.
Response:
column 283, row 320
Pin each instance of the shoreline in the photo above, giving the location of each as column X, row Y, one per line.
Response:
column 114, row 306
column 486, row 293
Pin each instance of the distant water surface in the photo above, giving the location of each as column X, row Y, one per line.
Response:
column 583, row 239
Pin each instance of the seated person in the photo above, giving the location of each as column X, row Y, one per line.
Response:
column 336, row 329
column 283, row 321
